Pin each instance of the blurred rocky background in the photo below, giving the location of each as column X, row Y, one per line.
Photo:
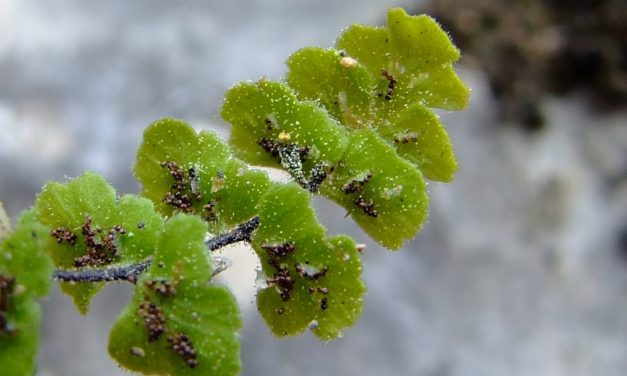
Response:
column 522, row 268
column 528, row 49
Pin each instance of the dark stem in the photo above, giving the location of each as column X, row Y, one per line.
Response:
column 131, row 272
column 122, row 273
column 238, row 234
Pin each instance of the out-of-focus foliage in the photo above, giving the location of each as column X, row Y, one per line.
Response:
column 25, row 275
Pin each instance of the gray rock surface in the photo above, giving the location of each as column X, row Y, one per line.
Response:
column 518, row 272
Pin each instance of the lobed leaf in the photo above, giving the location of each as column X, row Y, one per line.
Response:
column 212, row 183
column 313, row 281
column 417, row 52
column 419, row 137
column 384, row 79
column 174, row 140
column 194, row 323
column 350, row 95
column 343, row 86
column 270, row 110
column 385, row 194
column 25, row 274
column 93, row 228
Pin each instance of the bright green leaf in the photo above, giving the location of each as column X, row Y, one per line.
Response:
column 195, row 314
column 385, row 194
column 270, row 110
column 243, row 188
column 344, row 87
column 419, row 137
column 379, row 84
column 313, row 281
column 347, row 91
column 171, row 140
column 92, row 228
column 211, row 183
column 384, row 79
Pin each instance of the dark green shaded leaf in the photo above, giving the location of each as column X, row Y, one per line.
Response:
column 25, row 274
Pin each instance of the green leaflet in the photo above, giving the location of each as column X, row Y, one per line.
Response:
column 25, row 274
column 414, row 50
column 175, row 305
column 23, row 256
column 385, row 78
column 313, row 281
column 211, row 183
column 345, row 88
column 384, row 194
column 355, row 124
column 270, row 110
column 420, row 138
column 174, row 140
column 92, row 228
column 349, row 93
